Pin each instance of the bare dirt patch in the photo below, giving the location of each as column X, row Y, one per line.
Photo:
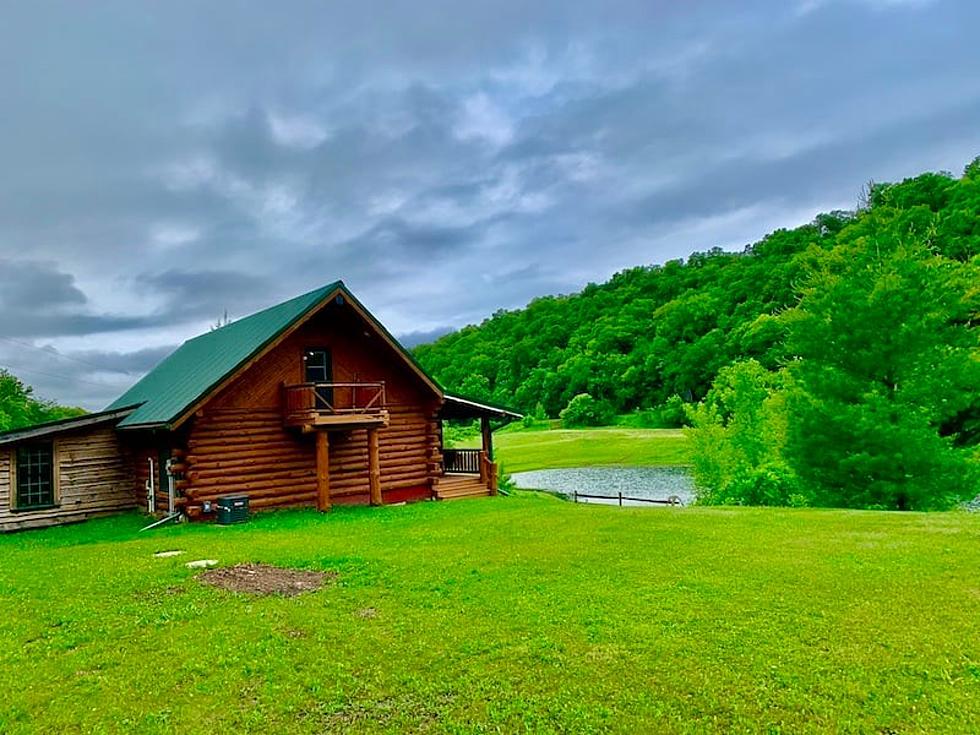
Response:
column 263, row 579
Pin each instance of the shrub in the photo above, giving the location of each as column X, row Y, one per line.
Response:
column 673, row 413
column 739, row 436
column 584, row 410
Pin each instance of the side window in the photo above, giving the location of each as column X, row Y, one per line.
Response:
column 35, row 476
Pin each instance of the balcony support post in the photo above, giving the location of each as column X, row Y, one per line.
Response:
column 374, row 467
column 322, row 471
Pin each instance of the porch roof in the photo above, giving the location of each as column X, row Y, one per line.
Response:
column 457, row 407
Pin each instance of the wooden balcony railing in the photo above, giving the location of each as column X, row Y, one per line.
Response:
column 325, row 403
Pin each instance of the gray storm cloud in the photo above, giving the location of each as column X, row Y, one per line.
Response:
column 165, row 163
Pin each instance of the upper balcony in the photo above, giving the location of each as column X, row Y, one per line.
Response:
column 335, row 405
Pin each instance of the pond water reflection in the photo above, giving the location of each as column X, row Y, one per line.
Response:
column 657, row 483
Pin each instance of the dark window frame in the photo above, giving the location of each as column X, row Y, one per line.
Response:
column 326, row 367
column 324, row 396
column 27, row 480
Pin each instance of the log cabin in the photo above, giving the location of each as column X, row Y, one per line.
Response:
column 311, row 402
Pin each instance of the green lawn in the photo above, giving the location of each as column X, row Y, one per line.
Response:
column 520, row 450
column 502, row 614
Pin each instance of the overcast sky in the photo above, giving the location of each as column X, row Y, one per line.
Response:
column 162, row 162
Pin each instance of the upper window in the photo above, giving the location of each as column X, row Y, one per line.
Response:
column 318, row 368
column 35, row 475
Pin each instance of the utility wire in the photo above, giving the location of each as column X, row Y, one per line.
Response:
column 13, row 369
column 63, row 355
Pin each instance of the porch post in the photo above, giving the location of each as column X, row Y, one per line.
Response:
column 374, row 467
column 322, row 470
column 487, row 436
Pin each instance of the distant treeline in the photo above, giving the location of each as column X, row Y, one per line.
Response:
column 832, row 364
column 19, row 407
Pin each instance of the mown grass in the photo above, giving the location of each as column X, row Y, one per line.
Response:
column 501, row 614
column 541, row 448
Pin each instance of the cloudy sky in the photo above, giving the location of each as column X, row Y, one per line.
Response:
column 164, row 162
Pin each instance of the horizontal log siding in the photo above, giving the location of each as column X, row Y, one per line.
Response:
column 250, row 452
column 95, row 478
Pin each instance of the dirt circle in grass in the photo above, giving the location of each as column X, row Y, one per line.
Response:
column 264, row 579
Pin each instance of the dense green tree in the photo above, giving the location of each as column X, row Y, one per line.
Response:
column 645, row 335
column 19, row 407
column 886, row 365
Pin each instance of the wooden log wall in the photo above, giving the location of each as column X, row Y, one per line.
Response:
column 94, row 478
column 249, row 451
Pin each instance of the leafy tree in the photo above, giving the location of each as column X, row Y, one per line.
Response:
column 19, row 407
column 739, row 437
column 584, row 410
column 887, row 365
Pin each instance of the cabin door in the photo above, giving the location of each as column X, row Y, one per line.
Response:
column 319, row 370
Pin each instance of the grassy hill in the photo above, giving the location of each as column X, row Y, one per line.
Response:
column 503, row 614
column 518, row 450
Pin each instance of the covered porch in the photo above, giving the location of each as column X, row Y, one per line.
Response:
column 470, row 472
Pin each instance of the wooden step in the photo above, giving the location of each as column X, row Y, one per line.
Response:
column 455, row 487
column 460, row 494
column 463, row 492
column 466, row 483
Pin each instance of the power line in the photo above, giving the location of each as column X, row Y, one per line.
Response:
column 63, row 355
column 12, row 368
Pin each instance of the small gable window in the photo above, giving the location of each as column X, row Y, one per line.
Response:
column 35, row 476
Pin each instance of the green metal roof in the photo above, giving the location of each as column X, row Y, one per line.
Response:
column 200, row 364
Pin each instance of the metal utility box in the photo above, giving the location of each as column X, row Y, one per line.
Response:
column 232, row 509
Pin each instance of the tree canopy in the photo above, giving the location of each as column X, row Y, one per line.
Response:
column 20, row 408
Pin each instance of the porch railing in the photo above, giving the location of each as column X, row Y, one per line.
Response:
column 310, row 399
column 465, row 461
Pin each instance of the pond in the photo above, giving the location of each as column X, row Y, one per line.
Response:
column 657, row 483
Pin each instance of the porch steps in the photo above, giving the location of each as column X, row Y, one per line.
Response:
column 454, row 487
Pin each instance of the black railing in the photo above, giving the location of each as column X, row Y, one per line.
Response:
column 672, row 500
column 466, row 461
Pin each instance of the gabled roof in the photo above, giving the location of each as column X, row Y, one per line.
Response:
column 39, row 431
column 198, row 365
column 201, row 365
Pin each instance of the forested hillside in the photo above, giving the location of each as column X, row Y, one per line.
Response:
column 643, row 336
column 836, row 364
column 653, row 332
